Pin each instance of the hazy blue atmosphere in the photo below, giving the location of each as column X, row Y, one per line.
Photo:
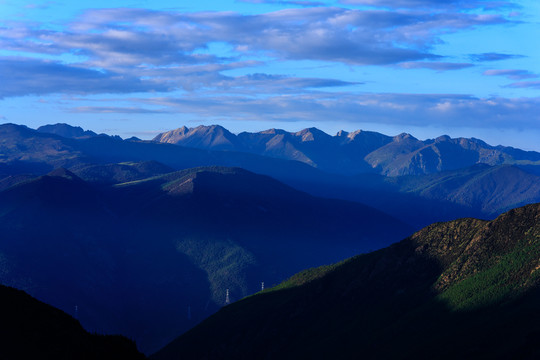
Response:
column 427, row 67
column 175, row 182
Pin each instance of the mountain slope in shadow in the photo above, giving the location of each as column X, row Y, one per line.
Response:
column 462, row 289
column 34, row 330
column 150, row 258
column 488, row 190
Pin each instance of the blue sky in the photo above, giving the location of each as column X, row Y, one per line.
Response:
column 427, row 67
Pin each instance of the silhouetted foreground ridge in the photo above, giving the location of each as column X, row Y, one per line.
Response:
column 31, row 329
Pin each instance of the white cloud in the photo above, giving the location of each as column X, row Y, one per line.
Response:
column 402, row 110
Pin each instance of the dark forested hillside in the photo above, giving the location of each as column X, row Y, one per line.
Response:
column 462, row 289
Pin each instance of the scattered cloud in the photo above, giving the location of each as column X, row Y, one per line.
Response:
column 432, row 4
column 265, row 83
column 45, row 5
column 438, row 66
column 286, row 2
column 115, row 109
column 493, row 57
column 511, row 74
column 441, row 110
column 166, row 59
column 26, row 76
column 525, row 84
column 122, row 50
column 128, row 37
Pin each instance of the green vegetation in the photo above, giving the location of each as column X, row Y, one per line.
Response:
column 498, row 283
column 225, row 263
column 309, row 275
column 462, row 289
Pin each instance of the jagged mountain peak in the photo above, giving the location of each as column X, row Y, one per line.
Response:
column 67, row 131
column 354, row 134
column 172, row 135
column 356, row 152
column 209, row 129
column 404, row 136
column 312, row 134
column 443, row 138
column 206, row 137
column 273, row 131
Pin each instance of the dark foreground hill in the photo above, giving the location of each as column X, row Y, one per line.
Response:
column 150, row 258
column 462, row 289
column 30, row 329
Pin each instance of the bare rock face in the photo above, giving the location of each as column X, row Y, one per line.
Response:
column 173, row 136
column 213, row 137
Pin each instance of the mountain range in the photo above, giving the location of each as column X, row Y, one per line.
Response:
column 146, row 238
column 442, row 178
column 355, row 152
column 462, row 289
column 410, row 198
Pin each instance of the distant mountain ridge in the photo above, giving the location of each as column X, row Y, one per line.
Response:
column 356, row 152
column 25, row 150
column 489, row 190
column 67, row 131
column 462, row 289
column 416, row 199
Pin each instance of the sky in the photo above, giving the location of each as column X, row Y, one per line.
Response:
column 465, row 68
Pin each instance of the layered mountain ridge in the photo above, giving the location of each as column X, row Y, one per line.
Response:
column 135, row 256
column 356, row 152
column 145, row 238
column 411, row 198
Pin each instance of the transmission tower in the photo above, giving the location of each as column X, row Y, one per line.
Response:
column 227, row 300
